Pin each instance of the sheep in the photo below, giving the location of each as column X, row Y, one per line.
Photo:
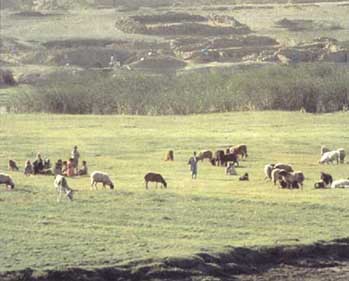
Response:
column 275, row 175
column 230, row 169
column 100, row 177
column 293, row 179
column 12, row 165
column 287, row 167
column 267, row 170
column 324, row 149
column 240, row 149
column 320, row 184
column 329, row 157
column 61, row 185
column 244, row 177
column 205, row 154
column 326, row 178
column 169, row 156
column 28, row 168
column 342, row 155
column 340, row 184
column 153, row 177
column 7, row 180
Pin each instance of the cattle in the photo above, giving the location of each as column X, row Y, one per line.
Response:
column 62, row 187
column 100, row 177
column 240, row 149
column 7, row 180
column 218, row 157
column 205, row 154
column 293, row 179
column 230, row 157
column 154, row 177
column 326, row 178
column 330, row 157
column 12, row 165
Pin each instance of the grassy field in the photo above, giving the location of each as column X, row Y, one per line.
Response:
column 106, row 228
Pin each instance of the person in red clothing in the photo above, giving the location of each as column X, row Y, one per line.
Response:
column 70, row 168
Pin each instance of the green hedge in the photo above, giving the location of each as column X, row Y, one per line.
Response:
column 314, row 87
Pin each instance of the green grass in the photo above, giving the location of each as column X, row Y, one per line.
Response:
column 105, row 228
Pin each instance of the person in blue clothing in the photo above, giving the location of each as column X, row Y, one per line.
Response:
column 193, row 162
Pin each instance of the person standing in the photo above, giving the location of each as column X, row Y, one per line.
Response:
column 75, row 155
column 193, row 162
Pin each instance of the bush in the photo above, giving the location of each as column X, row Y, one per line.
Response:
column 315, row 87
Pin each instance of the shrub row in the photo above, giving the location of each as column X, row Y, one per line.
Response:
column 314, row 87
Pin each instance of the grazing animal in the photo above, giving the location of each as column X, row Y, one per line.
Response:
column 275, row 175
column 7, row 180
column 287, row 167
column 169, row 156
column 324, row 149
column 62, row 187
column 340, row 184
column 282, row 183
column 230, row 157
column 230, row 169
column 205, row 154
column 28, row 168
column 267, row 170
column 293, row 179
column 244, row 177
column 12, row 165
column 153, row 177
column 218, row 157
column 330, row 157
column 47, row 164
column 100, row 177
column 342, row 155
column 240, row 149
column 320, row 185
column 326, row 178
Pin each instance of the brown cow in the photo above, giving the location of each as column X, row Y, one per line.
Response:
column 240, row 149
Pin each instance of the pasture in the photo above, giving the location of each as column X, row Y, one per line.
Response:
column 107, row 228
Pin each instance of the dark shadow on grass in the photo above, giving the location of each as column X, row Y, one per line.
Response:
column 227, row 265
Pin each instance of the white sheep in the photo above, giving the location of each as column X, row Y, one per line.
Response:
column 340, row 184
column 329, row 157
column 7, row 180
column 324, row 149
column 275, row 175
column 267, row 170
column 61, row 184
column 100, row 177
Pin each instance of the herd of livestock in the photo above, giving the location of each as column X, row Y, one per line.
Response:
column 280, row 174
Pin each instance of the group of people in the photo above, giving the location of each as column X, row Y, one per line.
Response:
column 66, row 168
